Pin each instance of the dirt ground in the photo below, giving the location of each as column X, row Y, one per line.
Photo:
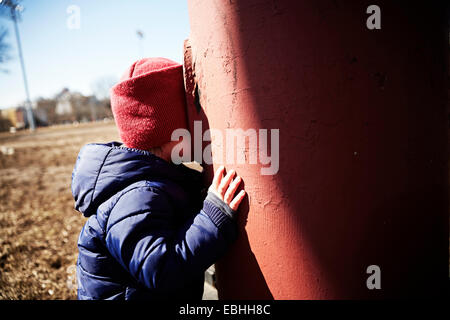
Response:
column 38, row 225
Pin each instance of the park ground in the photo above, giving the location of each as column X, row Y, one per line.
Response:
column 38, row 225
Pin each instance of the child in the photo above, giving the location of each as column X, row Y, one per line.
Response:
column 149, row 234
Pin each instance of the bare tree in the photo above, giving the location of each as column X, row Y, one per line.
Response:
column 101, row 86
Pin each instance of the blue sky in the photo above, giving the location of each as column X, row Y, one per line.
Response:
column 104, row 46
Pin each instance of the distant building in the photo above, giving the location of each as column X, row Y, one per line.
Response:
column 65, row 107
column 16, row 116
column 63, row 103
column 73, row 106
column 18, row 119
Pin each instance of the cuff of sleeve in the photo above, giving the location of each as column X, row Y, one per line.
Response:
column 217, row 210
column 214, row 213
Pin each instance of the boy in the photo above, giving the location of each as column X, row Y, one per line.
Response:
column 149, row 234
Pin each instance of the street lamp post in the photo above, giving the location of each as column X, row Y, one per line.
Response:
column 140, row 36
column 14, row 8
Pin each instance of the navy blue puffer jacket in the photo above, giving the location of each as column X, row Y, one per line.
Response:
column 149, row 234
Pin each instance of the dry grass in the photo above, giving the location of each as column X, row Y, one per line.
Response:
column 38, row 225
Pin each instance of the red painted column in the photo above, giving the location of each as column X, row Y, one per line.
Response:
column 362, row 119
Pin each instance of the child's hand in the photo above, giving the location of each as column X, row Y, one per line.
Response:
column 225, row 187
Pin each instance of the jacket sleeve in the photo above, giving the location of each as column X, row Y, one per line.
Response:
column 142, row 237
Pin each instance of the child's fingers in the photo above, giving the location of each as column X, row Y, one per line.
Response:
column 218, row 177
column 225, row 182
column 232, row 189
column 237, row 200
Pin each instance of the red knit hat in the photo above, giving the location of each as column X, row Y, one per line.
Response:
column 149, row 103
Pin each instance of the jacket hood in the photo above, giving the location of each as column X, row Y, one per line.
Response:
column 103, row 170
